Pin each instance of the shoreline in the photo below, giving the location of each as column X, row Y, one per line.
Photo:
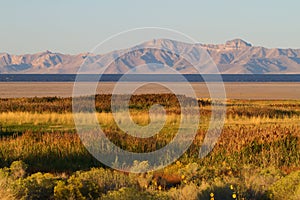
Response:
column 234, row 90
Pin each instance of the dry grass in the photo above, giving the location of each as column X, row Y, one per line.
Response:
column 259, row 144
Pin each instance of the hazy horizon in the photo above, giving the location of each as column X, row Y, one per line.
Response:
column 76, row 27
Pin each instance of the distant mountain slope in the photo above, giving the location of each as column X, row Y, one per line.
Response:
column 233, row 57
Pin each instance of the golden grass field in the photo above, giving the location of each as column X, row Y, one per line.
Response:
column 256, row 157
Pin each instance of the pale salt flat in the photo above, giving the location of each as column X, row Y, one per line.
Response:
column 233, row 90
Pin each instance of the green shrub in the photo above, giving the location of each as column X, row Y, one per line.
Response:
column 92, row 184
column 132, row 193
column 18, row 169
column 8, row 176
column 77, row 188
column 5, row 192
column 36, row 186
column 287, row 187
column 189, row 191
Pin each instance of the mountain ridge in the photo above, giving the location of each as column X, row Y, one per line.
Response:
column 233, row 57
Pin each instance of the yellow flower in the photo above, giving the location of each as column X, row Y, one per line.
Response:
column 159, row 187
column 212, row 198
column 234, row 196
column 231, row 187
column 185, row 181
column 212, row 194
column 178, row 162
column 182, row 176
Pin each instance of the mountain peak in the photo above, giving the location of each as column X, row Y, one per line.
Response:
column 235, row 56
column 237, row 43
column 47, row 52
column 164, row 42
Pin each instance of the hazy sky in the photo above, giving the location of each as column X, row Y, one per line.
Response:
column 77, row 26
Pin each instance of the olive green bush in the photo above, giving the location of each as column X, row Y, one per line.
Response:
column 92, row 184
column 132, row 193
column 287, row 188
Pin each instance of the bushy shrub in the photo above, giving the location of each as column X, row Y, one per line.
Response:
column 92, row 184
column 189, row 191
column 7, row 177
column 132, row 193
column 287, row 187
column 77, row 188
column 18, row 169
column 5, row 192
column 254, row 183
column 36, row 186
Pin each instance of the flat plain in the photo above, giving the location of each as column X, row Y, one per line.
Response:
column 236, row 90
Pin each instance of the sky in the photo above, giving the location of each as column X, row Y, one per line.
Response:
column 78, row 26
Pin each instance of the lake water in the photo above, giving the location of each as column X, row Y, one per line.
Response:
column 153, row 78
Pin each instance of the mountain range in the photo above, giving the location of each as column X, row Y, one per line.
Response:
column 234, row 57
